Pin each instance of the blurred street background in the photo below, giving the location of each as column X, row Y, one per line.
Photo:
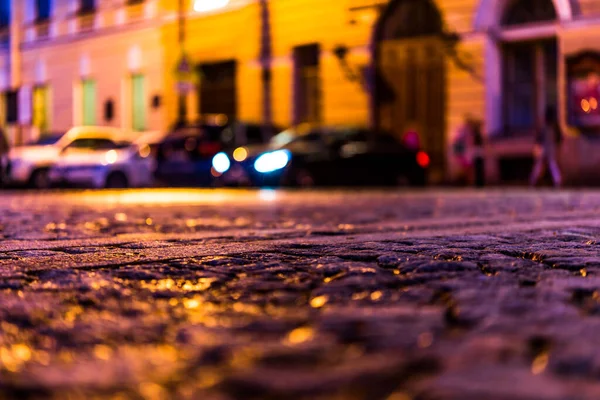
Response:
column 439, row 92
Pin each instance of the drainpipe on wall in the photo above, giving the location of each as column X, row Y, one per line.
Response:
column 265, row 60
column 182, row 97
column 372, row 83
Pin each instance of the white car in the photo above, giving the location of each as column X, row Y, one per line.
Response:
column 30, row 165
column 104, row 165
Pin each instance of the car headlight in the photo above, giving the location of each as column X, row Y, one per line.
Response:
column 221, row 163
column 272, row 161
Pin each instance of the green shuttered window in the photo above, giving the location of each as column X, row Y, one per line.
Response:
column 138, row 103
column 89, row 102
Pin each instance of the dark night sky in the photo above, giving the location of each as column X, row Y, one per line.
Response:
column 4, row 12
column 43, row 8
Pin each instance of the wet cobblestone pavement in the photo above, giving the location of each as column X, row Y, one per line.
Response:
column 327, row 295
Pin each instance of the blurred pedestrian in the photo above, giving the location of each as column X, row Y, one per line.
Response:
column 478, row 154
column 462, row 149
column 411, row 138
column 547, row 145
column 4, row 161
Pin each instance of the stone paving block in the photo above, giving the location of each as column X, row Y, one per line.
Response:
column 434, row 295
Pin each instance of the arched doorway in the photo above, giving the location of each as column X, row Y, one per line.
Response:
column 410, row 86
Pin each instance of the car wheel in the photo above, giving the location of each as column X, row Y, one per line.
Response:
column 419, row 179
column 116, row 180
column 402, row 181
column 40, row 179
column 301, row 177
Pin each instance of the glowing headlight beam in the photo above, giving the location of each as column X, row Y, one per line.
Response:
column 221, row 163
column 270, row 162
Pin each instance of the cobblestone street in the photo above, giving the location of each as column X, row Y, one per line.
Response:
column 222, row 295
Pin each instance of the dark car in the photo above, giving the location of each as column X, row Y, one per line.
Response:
column 325, row 156
column 184, row 157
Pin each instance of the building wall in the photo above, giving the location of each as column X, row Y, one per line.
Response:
column 110, row 60
column 301, row 22
column 351, row 24
column 119, row 41
column 230, row 34
column 575, row 30
column 124, row 42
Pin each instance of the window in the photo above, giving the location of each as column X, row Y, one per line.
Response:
column 40, row 108
column 43, row 10
column 353, row 135
column 135, row 9
column 89, row 102
column 4, row 13
column 92, row 143
column 109, row 110
column 218, row 90
column 529, row 11
column 529, row 69
column 530, row 83
column 87, row 6
column 307, row 84
column 12, row 107
column 312, row 137
column 254, row 134
column 138, row 103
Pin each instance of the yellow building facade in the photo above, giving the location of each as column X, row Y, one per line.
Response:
column 484, row 52
column 395, row 65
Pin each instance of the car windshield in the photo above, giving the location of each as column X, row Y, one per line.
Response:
column 283, row 139
column 208, row 132
column 95, row 144
column 46, row 140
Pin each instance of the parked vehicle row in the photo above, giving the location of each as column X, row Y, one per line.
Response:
column 217, row 153
column 84, row 156
column 323, row 156
column 184, row 157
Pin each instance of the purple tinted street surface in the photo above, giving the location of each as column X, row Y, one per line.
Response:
column 222, row 295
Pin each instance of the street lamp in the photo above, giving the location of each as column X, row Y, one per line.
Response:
column 209, row 5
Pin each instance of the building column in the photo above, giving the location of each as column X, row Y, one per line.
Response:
column 562, row 86
column 15, row 131
column 540, row 89
column 26, row 112
column 15, row 42
column 126, row 105
column 493, row 86
column 77, row 103
column 493, row 101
